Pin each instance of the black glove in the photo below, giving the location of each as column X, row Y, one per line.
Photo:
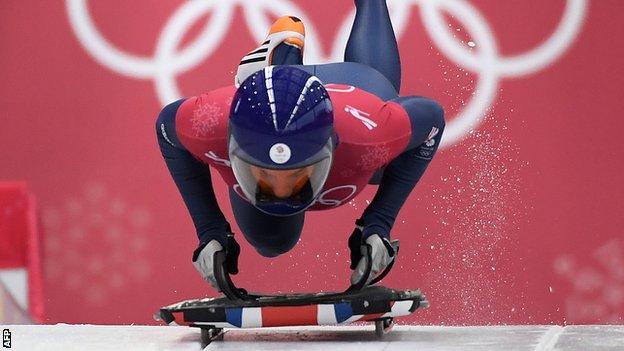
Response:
column 355, row 241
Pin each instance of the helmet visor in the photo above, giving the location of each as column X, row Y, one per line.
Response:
column 281, row 191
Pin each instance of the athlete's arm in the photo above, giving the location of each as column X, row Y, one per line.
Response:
column 192, row 179
column 402, row 173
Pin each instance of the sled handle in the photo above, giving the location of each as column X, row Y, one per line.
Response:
column 224, row 281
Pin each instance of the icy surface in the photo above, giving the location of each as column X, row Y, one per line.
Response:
column 91, row 337
column 508, row 338
column 595, row 338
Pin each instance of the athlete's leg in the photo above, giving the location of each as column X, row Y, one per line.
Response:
column 290, row 51
column 286, row 54
column 283, row 46
column 271, row 236
column 372, row 40
column 356, row 74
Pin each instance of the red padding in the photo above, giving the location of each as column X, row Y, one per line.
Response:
column 21, row 241
column 14, row 223
column 289, row 316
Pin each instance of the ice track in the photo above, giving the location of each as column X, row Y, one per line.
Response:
column 507, row 338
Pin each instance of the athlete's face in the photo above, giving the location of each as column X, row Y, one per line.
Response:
column 281, row 183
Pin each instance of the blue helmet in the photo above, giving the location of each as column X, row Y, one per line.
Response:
column 281, row 139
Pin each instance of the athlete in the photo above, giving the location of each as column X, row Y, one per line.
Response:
column 289, row 138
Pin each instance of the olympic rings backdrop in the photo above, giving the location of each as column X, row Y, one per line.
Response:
column 518, row 220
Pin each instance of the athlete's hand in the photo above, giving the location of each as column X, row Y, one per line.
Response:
column 204, row 259
column 381, row 255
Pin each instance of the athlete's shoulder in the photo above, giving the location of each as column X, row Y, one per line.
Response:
column 201, row 121
column 205, row 116
column 363, row 118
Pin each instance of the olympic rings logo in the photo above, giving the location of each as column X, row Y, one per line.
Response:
column 325, row 198
column 484, row 60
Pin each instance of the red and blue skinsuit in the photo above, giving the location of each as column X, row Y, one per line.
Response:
column 383, row 138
